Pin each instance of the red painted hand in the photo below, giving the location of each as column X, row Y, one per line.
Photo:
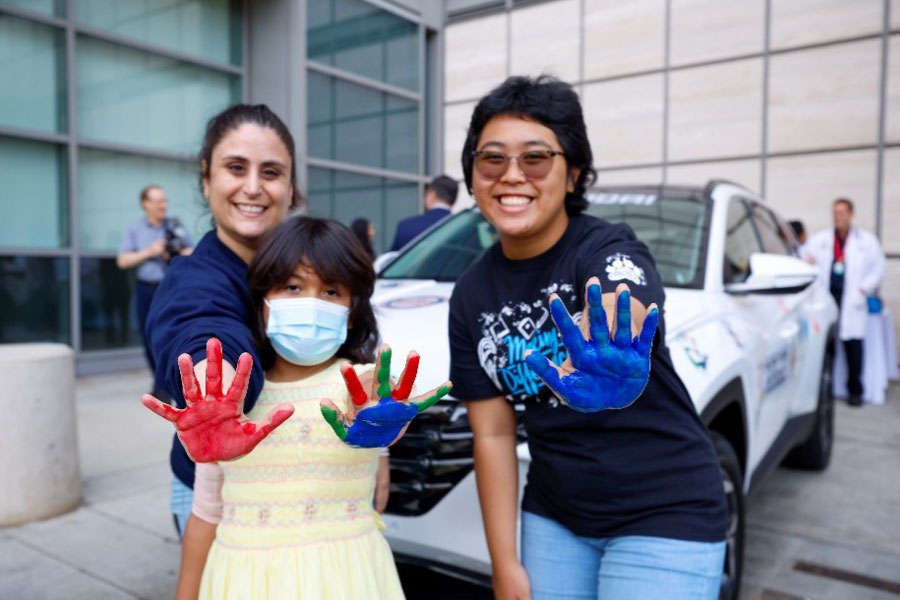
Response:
column 214, row 427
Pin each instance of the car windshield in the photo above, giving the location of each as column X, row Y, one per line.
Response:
column 673, row 226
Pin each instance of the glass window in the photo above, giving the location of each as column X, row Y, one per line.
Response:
column 34, row 182
column 55, row 8
column 209, row 29
column 34, row 299
column 740, row 242
column 774, row 239
column 108, row 317
column 131, row 97
column 348, row 196
column 446, row 252
column 359, row 125
column 363, row 39
column 32, row 67
column 109, row 186
column 673, row 227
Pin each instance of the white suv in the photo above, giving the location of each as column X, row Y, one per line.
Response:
column 749, row 333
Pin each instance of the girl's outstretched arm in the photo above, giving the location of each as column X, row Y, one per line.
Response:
column 198, row 538
column 382, row 483
column 200, row 530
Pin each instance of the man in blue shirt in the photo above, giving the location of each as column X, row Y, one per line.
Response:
column 440, row 195
column 144, row 246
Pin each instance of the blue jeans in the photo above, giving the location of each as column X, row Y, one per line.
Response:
column 562, row 565
column 181, row 500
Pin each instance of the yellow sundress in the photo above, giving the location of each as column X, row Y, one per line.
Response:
column 297, row 520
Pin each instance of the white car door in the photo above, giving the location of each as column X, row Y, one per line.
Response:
column 797, row 328
column 766, row 323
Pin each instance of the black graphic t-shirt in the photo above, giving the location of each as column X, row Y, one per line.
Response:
column 649, row 469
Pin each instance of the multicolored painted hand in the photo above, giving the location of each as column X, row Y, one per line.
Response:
column 379, row 417
column 214, row 427
column 600, row 373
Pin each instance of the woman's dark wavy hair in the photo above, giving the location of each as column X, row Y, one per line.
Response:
column 331, row 250
column 233, row 117
column 553, row 104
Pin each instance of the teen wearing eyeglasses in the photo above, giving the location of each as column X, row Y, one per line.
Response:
column 619, row 504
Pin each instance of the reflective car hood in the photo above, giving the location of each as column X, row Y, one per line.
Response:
column 412, row 315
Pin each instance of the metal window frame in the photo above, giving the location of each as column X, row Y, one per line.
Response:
column 420, row 96
column 69, row 23
column 72, row 141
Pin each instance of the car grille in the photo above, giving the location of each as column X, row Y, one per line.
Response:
column 431, row 458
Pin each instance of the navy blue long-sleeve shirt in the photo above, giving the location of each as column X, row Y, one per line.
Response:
column 203, row 295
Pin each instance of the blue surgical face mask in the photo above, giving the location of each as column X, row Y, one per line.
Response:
column 306, row 331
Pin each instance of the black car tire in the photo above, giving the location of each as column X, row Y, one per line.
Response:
column 814, row 453
column 732, row 479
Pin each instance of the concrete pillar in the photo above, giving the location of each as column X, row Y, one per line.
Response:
column 39, row 472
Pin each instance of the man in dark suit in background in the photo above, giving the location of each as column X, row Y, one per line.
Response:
column 440, row 195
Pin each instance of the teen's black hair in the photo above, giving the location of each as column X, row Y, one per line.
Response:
column 331, row 250
column 233, row 117
column 553, row 104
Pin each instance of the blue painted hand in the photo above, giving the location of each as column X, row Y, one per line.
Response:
column 600, row 373
column 378, row 418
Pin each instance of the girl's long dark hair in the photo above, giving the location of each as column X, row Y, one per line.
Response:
column 331, row 250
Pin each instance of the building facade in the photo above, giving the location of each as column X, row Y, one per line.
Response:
column 798, row 100
column 101, row 98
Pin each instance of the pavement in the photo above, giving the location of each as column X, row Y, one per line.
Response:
column 816, row 536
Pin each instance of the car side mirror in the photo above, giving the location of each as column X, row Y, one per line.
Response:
column 775, row 274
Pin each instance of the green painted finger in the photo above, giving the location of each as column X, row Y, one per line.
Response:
column 337, row 425
column 432, row 399
column 384, row 374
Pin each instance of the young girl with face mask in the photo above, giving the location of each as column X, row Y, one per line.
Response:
column 294, row 517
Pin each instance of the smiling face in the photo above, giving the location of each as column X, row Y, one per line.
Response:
column 529, row 215
column 248, row 186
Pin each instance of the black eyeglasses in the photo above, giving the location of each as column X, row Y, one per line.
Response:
column 534, row 164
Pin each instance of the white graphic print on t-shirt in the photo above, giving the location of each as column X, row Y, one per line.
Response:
column 515, row 328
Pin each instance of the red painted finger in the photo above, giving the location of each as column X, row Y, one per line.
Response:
column 162, row 409
column 403, row 389
column 214, row 368
column 261, row 429
column 354, row 386
column 189, row 384
column 239, row 384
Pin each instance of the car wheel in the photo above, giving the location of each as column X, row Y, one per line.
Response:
column 732, row 480
column 815, row 452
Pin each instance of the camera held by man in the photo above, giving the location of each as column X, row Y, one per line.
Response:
column 178, row 242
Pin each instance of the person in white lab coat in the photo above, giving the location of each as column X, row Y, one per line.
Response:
column 851, row 266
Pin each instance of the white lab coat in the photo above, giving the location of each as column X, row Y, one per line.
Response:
column 864, row 271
